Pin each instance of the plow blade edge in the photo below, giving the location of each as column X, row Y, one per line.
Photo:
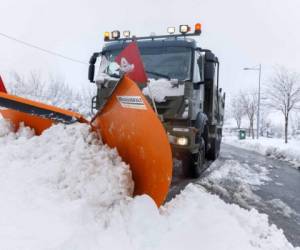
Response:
column 35, row 115
column 128, row 122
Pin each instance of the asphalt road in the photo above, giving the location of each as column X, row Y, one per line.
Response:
column 279, row 197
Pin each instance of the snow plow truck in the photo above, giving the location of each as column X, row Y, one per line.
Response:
column 193, row 118
column 148, row 133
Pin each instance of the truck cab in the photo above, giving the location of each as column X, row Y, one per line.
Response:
column 183, row 88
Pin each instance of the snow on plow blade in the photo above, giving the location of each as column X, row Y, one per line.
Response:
column 128, row 123
column 34, row 114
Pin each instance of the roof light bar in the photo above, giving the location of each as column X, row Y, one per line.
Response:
column 126, row 33
column 115, row 34
column 171, row 30
column 106, row 36
column 184, row 29
column 198, row 28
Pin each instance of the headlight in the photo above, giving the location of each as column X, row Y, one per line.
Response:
column 182, row 141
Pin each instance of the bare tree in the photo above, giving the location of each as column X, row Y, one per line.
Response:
column 59, row 92
column 31, row 86
column 17, row 84
column 85, row 97
column 237, row 110
column 295, row 122
column 265, row 122
column 53, row 90
column 283, row 94
column 35, row 84
column 249, row 104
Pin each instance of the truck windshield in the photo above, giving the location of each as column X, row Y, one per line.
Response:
column 174, row 62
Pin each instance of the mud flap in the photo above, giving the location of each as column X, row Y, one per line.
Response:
column 35, row 115
column 128, row 123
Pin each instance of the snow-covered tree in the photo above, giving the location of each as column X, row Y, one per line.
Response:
column 237, row 111
column 249, row 104
column 53, row 90
column 283, row 94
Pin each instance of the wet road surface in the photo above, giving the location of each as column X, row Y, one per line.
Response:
column 279, row 197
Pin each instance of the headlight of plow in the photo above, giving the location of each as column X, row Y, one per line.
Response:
column 181, row 141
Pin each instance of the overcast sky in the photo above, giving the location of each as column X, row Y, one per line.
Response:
column 241, row 33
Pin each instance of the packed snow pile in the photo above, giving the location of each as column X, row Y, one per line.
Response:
column 51, row 184
column 231, row 169
column 68, row 158
column 162, row 88
column 66, row 190
column 273, row 147
column 236, row 182
column 282, row 208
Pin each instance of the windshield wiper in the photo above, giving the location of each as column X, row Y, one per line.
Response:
column 159, row 74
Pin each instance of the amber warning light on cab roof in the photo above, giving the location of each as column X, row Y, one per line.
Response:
column 184, row 30
column 198, row 28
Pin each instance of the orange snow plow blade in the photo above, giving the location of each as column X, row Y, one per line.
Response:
column 128, row 123
column 34, row 114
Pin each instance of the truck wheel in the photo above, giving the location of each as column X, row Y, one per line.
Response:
column 213, row 152
column 193, row 164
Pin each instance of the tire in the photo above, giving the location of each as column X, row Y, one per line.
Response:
column 193, row 165
column 213, row 153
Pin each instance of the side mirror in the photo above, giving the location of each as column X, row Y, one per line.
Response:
column 210, row 57
column 209, row 71
column 210, row 66
column 91, row 72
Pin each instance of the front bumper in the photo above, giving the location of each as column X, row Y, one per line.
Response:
column 183, row 140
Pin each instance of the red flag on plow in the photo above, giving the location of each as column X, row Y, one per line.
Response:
column 130, row 61
column 2, row 86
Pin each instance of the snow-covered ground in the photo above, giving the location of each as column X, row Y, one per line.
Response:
column 273, row 147
column 253, row 181
column 66, row 190
column 235, row 181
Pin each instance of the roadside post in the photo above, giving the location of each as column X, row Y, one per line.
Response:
column 242, row 134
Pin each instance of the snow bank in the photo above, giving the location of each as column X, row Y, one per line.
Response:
column 231, row 169
column 235, row 182
column 282, row 208
column 161, row 88
column 68, row 158
column 210, row 219
column 270, row 147
column 193, row 220
column 52, row 184
column 66, row 190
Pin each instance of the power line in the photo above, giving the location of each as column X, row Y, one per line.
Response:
column 41, row 49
